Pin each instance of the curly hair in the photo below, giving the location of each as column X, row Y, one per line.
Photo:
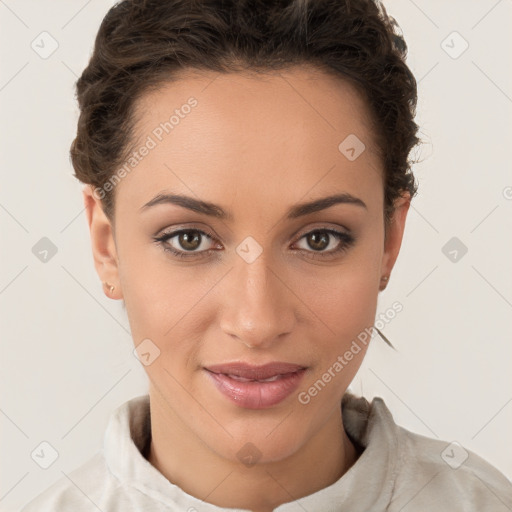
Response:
column 142, row 44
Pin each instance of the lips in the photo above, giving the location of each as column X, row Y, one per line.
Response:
column 245, row 372
column 256, row 387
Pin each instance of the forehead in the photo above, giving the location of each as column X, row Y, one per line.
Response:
column 303, row 99
column 249, row 131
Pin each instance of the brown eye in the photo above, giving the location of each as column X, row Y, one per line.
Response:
column 318, row 240
column 326, row 242
column 189, row 242
column 186, row 243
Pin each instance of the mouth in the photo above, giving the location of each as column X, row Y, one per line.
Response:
column 244, row 372
column 256, row 387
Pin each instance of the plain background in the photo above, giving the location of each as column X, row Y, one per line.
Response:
column 67, row 360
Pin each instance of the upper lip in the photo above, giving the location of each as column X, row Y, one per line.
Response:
column 249, row 371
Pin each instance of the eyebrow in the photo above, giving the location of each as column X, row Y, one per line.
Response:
column 216, row 211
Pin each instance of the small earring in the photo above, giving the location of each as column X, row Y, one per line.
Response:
column 384, row 278
column 109, row 286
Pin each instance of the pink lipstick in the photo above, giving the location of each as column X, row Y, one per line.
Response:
column 256, row 387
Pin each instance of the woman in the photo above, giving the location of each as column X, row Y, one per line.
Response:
column 247, row 185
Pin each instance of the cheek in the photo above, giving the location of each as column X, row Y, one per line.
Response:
column 344, row 302
column 345, row 297
column 344, row 306
column 153, row 290
column 165, row 304
column 160, row 302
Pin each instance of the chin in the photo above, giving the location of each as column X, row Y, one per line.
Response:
column 261, row 441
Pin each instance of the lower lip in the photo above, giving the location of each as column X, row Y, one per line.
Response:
column 256, row 394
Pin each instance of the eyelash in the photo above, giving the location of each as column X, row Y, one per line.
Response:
column 346, row 241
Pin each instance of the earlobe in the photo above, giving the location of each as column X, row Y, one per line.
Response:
column 394, row 236
column 102, row 244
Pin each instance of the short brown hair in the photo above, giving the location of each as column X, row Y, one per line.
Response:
column 142, row 44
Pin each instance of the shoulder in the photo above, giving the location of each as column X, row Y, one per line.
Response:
column 418, row 472
column 80, row 490
column 442, row 475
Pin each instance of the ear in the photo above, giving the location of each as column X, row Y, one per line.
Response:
column 103, row 244
column 394, row 234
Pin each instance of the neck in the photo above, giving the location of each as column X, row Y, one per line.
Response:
column 199, row 471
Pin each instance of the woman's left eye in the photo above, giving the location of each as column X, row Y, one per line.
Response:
column 322, row 244
column 191, row 242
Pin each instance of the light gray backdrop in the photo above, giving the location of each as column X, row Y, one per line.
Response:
column 67, row 360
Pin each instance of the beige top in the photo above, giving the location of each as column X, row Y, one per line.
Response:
column 397, row 471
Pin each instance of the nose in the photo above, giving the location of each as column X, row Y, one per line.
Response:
column 259, row 306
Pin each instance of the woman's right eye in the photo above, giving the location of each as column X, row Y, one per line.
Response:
column 185, row 243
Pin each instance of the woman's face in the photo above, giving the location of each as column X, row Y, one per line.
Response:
column 257, row 277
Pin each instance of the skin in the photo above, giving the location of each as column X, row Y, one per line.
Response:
column 256, row 146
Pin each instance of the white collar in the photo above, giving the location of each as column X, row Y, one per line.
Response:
column 368, row 484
